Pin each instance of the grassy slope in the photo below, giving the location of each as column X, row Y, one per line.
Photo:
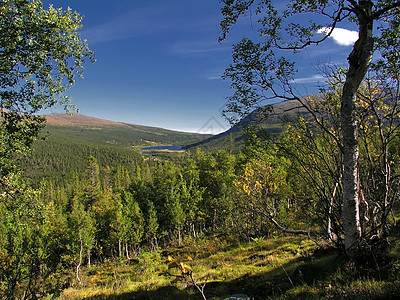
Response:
column 278, row 268
column 70, row 140
column 81, row 128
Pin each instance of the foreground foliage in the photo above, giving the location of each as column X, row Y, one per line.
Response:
column 41, row 54
column 278, row 268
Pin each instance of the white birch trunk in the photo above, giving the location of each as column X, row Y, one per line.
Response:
column 80, row 259
column 359, row 62
column 332, row 235
column 88, row 259
column 127, row 251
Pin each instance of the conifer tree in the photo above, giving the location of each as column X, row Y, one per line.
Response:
column 132, row 223
column 92, row 187
column 151, row 225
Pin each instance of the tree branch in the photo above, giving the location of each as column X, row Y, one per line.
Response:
column 379, row 13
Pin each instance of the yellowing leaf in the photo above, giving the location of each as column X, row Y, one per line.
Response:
column 185, row 268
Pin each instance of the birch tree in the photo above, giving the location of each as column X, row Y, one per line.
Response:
column 262, row 71
column 41, row 54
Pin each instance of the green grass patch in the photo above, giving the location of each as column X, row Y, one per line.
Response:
column 277, row 268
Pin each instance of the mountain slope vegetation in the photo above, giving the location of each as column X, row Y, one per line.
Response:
column 113, row 223
column 67, row 141
column 87, row 129
column 271, row 119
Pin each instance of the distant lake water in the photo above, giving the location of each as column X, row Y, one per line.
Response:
column 168, row 148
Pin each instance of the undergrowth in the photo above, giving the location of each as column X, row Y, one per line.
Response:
column 277, row 268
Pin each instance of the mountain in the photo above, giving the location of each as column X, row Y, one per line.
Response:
column 67, row 141
column 272, row 121
column 86, row 129
column 77, row 119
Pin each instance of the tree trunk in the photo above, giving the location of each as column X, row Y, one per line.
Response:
column 332, row 235
column 193, row 225
column 88, row 258
column 179, row 237
column 127, row 251
column 80, row 259
column 359, row 62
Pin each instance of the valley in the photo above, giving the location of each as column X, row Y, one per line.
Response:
column 182, row 206
column 298, row 199
column 67, row 141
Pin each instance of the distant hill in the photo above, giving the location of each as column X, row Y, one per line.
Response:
column 67, row 141
column 273, row 125
column 273, row 122
column 86, row 129
column 77, row 119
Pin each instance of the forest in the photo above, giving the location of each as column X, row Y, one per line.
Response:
column 115, row 213
column 307, row 211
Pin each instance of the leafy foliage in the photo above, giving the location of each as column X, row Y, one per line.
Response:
column 41, row 53
column 264, row 69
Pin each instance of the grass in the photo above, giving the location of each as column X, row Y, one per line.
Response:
column 277, row 268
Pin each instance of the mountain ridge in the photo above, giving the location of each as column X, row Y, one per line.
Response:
column 77, row 119
column 85, row 129
column 273, row 122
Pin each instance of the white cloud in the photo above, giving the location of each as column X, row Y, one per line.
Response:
column 211, row 77
column 341, row 36
column 310, row 79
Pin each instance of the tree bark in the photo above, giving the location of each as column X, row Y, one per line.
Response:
column 80, row 259
column 359, row 62
column 179, row 237
column 127, row 251
column 332, row 235
column 88, row 259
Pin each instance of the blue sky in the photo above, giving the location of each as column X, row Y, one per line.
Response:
column 159, row 62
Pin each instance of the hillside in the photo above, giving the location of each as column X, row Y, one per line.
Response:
column 89, row 129
column 67, row 141
column 273, row 123
column 77, row 119
column 245, row 254
column 282, row 267
column 70, row 139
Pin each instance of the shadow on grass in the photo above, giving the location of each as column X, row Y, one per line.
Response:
column 323, row 274
column 266, row 285
column 167, row 292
